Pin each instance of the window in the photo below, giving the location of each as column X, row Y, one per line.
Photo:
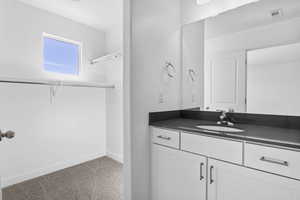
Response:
column 61, row 55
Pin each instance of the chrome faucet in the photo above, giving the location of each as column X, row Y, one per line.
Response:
column 224, row 119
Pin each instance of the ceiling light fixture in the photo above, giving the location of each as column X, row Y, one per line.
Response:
column 202, row 2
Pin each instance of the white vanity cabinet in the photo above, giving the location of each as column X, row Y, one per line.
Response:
column 166, row 137
column 279, row 161
column 227, row 150
column 177, row 175
column 198, row 171
column 233, row 182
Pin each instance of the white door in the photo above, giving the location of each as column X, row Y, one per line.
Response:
column 225, row 81
column 177, row 175
column 232, row 182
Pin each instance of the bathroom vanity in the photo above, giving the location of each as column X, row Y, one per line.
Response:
column 196, row 164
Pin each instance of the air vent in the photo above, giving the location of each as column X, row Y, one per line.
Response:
column 203, row 2
column 277, row 13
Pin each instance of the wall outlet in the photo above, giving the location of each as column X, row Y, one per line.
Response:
column 161, row 98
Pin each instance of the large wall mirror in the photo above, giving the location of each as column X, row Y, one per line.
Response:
column 244, row 60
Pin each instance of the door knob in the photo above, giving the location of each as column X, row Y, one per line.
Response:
column 7, row 134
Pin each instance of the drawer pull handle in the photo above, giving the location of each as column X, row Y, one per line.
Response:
column 201, row 171
column 163, row 137
column 211, row 180
column 274, row 161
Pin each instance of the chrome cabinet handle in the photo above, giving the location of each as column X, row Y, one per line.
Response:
column 274, row 161
column 211, row 180
column 163, row 137
column 201, row 171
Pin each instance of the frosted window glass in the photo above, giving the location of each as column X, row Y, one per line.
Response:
column 61, row 57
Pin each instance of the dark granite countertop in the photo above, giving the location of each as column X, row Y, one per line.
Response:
column 285, row 137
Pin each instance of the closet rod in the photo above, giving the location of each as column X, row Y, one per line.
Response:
column 57, row 83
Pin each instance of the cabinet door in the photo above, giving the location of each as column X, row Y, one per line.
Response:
column 232, row 182
column 177, row 175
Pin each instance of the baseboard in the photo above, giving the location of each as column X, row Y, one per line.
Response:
column 47, row 170
column 116, row 157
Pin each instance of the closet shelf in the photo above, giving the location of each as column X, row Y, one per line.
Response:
column 109, row 57
column 57, row 83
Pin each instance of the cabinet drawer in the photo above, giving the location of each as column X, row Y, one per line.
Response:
column 274, row 160
column 227, row 150
column 165, row 137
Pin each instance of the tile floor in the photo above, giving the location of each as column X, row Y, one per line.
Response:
column 100, row 179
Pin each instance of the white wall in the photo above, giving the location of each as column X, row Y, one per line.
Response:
column 114, row 98
column 155, row 40
column 127, row 169
column 273, row 80
column 193, row 58
column 49, row 137
column 191, row 12
column 114, row 106
column 283, row 32
column 21, row 40
column 114, row 38
column 114, row 33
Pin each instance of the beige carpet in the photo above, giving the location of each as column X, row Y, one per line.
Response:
column 99, row 179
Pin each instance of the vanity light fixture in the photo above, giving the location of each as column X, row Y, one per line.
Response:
column 202, row 2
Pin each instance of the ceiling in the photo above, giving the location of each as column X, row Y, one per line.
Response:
column 100, row 14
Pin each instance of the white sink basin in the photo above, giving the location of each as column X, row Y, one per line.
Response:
column 221, row 129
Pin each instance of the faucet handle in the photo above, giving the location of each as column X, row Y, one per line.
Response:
column 231, row 110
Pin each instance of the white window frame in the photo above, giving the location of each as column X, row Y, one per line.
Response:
column 62, row 39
